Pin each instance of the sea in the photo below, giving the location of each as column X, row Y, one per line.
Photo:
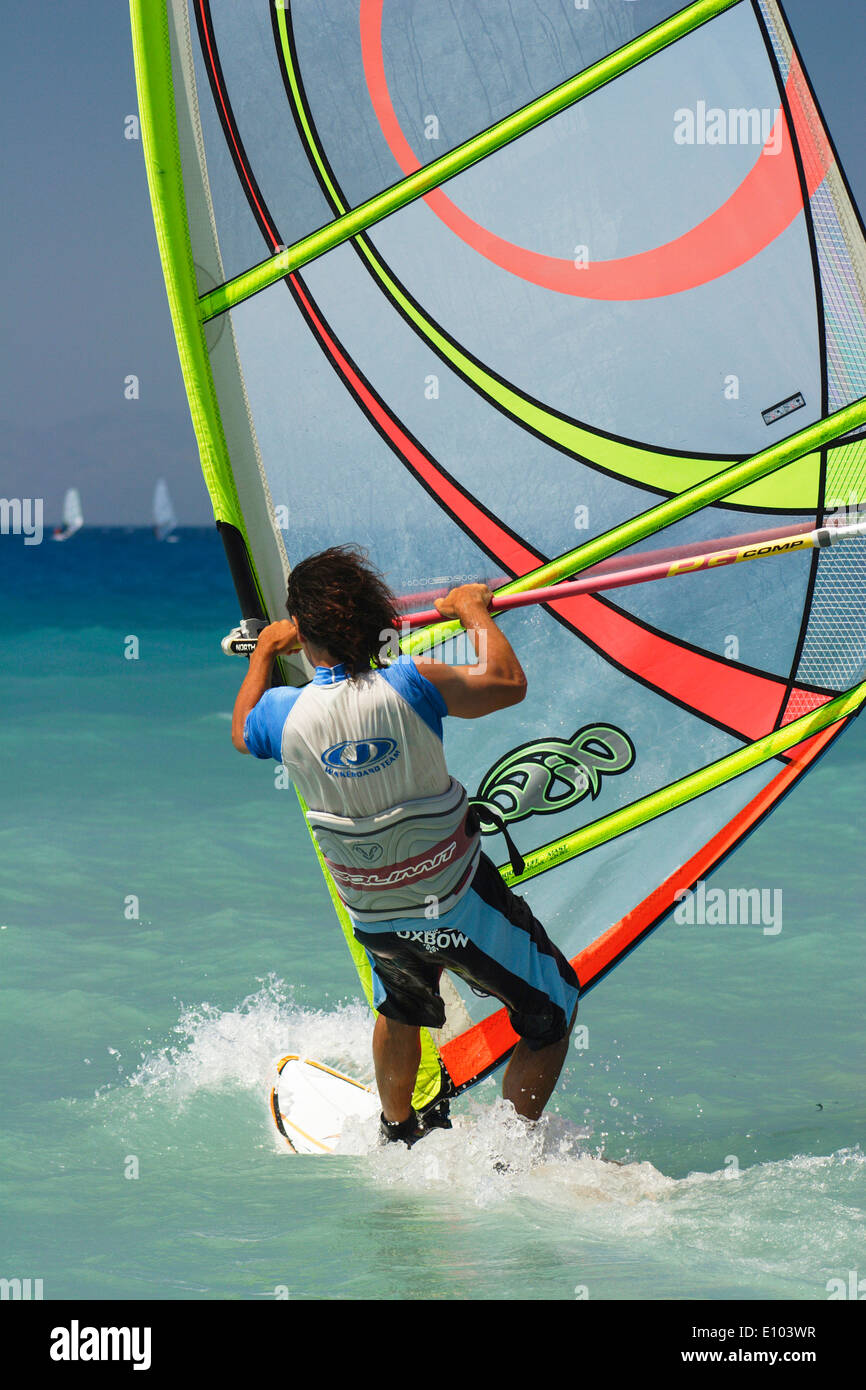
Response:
column 166, row 936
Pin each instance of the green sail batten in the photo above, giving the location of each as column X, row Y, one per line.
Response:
column 440, row 170
column 687, row 789
column 813, row 437
column 429, row 1080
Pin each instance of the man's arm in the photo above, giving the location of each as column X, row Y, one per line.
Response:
column 279, row 637
column 497, row 681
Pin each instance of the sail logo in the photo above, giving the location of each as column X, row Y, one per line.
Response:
column 550, row 775
column 360, row 757
column 713, row 125
column 22, row 516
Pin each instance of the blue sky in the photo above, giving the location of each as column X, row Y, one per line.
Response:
column 84, row 303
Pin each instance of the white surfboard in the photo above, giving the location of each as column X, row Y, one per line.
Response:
column 310, row 1104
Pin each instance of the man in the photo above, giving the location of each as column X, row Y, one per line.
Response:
column 363, row 744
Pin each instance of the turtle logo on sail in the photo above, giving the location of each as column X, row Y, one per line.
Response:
column 549, row 775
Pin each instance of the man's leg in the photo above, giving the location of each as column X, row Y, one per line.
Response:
column 531, row 1075
column 510, row 956
column 397, row 1057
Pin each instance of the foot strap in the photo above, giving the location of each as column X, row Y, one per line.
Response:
column 408, row 1130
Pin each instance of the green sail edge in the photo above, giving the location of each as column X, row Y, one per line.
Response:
column 157, row 111
column 158, row 116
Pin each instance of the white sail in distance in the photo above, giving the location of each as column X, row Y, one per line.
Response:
column 73, row 517
column 164, row 517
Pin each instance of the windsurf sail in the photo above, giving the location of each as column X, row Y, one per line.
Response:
column 531, row 291
column 73, row 516
column 164, row 518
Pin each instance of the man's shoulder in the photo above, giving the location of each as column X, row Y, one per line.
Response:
column 407, row 677
column 263, row 730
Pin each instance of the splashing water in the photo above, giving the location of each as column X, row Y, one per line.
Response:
column 237, row 1049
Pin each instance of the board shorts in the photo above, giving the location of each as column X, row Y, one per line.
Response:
column 492, row 941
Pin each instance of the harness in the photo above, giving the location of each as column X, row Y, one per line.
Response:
column 400, row 861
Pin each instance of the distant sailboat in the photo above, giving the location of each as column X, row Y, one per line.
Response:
column 73, row 517
column 164, row 518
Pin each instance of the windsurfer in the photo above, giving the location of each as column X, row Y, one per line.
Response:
column 363, row 744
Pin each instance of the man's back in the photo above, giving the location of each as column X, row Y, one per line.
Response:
column 357, row 746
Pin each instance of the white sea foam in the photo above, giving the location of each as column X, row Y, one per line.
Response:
column 238, row 1048
column 490, row 1154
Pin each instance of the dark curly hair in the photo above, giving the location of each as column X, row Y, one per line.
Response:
column 343, row 605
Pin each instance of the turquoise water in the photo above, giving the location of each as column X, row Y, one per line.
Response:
column 166, row 936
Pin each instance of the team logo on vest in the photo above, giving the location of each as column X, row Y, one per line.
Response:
column 357, row 758
column 543, row 777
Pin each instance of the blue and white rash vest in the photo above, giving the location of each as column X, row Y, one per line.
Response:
column 366, row 755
